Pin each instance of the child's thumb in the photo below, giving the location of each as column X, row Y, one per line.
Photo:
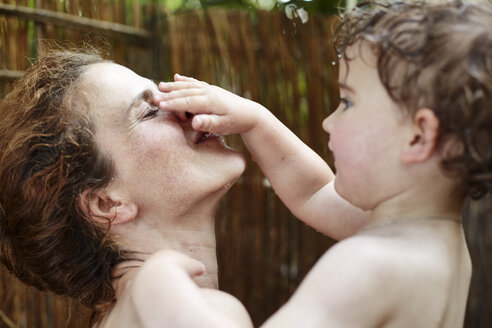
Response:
column 209, row 123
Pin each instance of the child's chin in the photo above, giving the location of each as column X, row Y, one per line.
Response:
column 351, row 196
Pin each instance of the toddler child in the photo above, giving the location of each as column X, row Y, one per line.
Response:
column 411, row 138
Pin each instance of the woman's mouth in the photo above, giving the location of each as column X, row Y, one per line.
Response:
column 204, row 136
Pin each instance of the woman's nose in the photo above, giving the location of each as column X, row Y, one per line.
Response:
column 184, row 117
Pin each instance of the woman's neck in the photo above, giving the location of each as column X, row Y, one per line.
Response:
column 192, row 235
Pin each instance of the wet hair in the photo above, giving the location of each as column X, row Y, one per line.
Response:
column 436, row 55
column 48, row 157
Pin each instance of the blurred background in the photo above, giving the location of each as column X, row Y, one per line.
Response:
column 276, row 52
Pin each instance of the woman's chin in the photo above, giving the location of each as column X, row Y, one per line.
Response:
column 235, row 169
column 236, row 161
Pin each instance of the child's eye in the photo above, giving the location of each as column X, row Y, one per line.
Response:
column 151, row 111
column 347, row 103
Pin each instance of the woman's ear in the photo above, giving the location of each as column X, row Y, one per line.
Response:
column 423, row 138
column 102, row 206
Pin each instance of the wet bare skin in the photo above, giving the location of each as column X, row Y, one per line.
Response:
column 387, row 276
column 168, row 180
column 131, row 309
column 402, row 260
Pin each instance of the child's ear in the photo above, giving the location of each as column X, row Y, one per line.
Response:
column 423, row 138
column 102, row 205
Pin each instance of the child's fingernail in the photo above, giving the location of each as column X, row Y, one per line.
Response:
column 197, row 122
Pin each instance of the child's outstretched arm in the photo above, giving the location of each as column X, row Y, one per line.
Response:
column 298, row 175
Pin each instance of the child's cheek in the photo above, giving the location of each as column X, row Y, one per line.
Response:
column 349, row 148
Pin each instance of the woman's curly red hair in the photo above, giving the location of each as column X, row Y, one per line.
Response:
column 48, row 157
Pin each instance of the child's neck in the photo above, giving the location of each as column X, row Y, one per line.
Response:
column 418, row 204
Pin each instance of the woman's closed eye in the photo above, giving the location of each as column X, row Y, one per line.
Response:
column 150, row 112
column 346, row 103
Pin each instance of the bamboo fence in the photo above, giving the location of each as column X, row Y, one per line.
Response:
column 263, row 251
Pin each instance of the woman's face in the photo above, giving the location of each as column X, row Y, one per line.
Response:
column 161, row 163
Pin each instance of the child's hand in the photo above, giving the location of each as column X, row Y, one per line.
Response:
column 168, row 259
column 216, row 110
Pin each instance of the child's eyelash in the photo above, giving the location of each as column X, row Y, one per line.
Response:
column 347, row 103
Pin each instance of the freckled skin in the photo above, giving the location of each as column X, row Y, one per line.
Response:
column 147, row 151
column 164, row 193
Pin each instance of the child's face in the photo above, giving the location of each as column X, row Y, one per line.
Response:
column 367, row 133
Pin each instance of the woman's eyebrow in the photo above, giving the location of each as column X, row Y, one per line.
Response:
column 147, row 94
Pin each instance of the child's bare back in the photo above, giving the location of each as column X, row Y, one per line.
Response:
column 411, row 139
column 414, row 274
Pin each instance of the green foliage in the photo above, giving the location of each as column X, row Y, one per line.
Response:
column 319, row 6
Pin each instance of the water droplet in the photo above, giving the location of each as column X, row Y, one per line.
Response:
column 478, row 94
column 290, row 11
column 266, row 183
column 303, row 15
column 334, row 63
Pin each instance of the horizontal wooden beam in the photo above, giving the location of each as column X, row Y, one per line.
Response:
column 8, row 74
column 109, row 29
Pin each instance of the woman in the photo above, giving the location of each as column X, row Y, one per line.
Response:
column 95, row 180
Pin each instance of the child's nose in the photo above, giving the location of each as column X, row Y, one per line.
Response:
column 328, row 123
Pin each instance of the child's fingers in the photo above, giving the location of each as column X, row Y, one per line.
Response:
column 192, row 267
column 198, row 104
column 210, row 123
column 182, row 93
column 178, row 85
column 178, row 77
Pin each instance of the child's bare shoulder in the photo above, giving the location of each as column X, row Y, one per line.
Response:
column 370, row 273
column 351, row 276
column 368, row 261
column 374, row 261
